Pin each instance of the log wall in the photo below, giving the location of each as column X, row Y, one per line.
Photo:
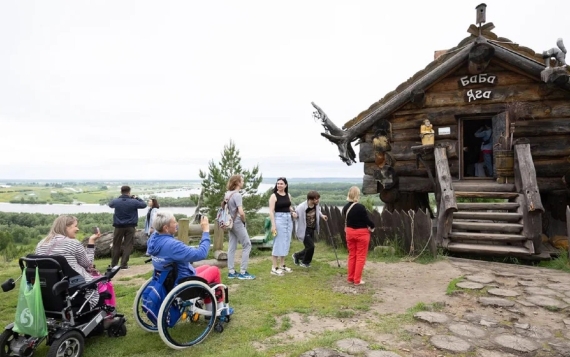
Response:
column 546, row 125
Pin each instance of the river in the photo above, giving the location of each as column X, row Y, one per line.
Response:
column 93, row 208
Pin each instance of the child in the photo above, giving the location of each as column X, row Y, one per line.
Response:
column 308, row 217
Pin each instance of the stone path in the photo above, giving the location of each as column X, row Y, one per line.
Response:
column 499, row 310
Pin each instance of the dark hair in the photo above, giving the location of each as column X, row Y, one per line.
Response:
column 286, row 185
column 313, row 195
column 125, row 190
column 154, row 203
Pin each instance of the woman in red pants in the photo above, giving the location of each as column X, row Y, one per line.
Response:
column 357, row 228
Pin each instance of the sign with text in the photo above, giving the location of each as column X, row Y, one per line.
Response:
column 485, row 79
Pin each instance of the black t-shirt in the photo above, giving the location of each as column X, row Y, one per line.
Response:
column 357, row 217
column 311, row 217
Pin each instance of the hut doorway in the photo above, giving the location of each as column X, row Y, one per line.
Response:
column 473, row 135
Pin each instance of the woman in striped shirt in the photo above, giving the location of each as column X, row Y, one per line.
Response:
column 61, row 241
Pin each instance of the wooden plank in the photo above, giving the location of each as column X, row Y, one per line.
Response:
column 551, row 167
column 504, row 78
column 542, row 127
column 488, row 226
column 414, row 121
column 487, row 236
column 402, row 150
column 547, row 184
column 538, row 109
column 423, row 233
column 568, row 226
column 446, row 195
column 409, row 247
column 409, row 168
column 414, row 134
column 482, row 186
column 407, row 183
column 492, row 216
column 522, row 93
column 487, row 249
column 473, row 206
column 505, row 195
column 549, row 146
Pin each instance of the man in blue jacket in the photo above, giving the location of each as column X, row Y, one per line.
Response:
column 125, row 220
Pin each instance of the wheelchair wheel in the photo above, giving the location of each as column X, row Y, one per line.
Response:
column 183, row 319
column 69, row 345
column 5, row 339
column 140, row 317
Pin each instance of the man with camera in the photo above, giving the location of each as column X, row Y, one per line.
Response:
column 125, row 220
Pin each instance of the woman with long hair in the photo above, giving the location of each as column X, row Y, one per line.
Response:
column 357, row 228
column 281, row 212
column 61, row 240
column 238, row 233
column 150, row 215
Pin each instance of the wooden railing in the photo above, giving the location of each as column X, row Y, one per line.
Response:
column 445, row 196
column 529, row 196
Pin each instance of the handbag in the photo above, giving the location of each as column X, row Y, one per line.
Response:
column 30, row 316
column 104, row 287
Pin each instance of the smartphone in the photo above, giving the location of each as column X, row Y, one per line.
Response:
column 96, row 230
column 199, row 217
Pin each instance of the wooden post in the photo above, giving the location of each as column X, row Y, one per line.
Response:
column 218, row 240
column 446, row 202
column 183, row 228
column 568, row 226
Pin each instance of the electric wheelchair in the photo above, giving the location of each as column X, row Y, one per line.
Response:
column 185, row 315
column 70, row 318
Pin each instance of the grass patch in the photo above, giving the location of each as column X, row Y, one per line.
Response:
column 452, row 286
column 559, row 263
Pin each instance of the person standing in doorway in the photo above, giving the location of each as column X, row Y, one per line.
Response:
column 281, row 214
column 486, row 133
column 357, row 228
column 238, row 233
column 308, row 218
column 125, row 220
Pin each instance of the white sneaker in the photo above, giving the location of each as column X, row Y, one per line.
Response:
column 286, row 269
column 277, row 271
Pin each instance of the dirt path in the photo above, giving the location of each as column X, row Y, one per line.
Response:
column 504, row 311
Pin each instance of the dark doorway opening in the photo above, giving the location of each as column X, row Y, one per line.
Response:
column 473, row 161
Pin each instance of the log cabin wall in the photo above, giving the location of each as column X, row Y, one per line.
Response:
column 546, row 125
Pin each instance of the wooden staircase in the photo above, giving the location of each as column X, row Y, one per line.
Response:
column 509, row 225
column 489, row 227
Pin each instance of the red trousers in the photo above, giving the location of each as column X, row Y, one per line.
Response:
column 357, row 240
column 211, row 274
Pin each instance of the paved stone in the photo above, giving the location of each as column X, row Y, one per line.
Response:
column 566, row 322
column 563, row 348
column 352, row 345
column 563, row 288
column 503, row 292
column 522, row 326
column 540, row 291
column 525, row 303
column 467, row 330
column 480, row 278
column 450, row 343
column 431, row 317
column 495, row 301
column 470, row 285
column 381, row 354
column 488, row 353
column 505, row 274
column 487, row 323
column 545, row 301
column 517, row 343
column 566, row 300
column 324, row 352
column 528, row 283
column 536, row 332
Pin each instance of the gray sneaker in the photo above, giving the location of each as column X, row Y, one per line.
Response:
column 303, row 265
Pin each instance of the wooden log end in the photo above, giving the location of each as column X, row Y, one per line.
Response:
column 220, row 255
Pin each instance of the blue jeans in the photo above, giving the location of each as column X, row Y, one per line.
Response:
column 488, row 164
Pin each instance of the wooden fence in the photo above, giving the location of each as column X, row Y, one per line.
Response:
column 409, row 231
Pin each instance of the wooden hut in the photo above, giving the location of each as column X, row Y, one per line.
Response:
column 486, row 80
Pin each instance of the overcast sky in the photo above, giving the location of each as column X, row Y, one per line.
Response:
column 155, row 89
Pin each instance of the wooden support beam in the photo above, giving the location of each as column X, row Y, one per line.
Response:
column 446, row 195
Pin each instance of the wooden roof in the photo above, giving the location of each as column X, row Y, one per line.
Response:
column 505, row 49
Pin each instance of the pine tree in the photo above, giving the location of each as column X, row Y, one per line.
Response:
column 215, row 180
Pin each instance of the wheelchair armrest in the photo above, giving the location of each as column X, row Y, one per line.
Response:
column 60, row 287
column 112, row 271
column 93, row 283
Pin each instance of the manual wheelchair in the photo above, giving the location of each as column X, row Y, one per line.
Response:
column 185, row 316
column 70, row 318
